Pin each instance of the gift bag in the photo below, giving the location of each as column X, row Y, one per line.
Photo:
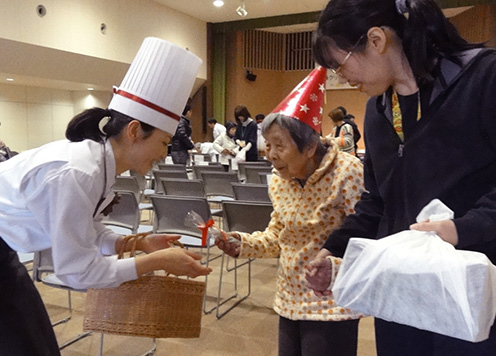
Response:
column 415, row 278
column 240, row 155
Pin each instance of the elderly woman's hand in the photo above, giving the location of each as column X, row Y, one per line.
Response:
column 231, row 246
column 319, row 273
column 155, row 242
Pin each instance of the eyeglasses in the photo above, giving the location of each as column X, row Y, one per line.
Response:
column 338, row 69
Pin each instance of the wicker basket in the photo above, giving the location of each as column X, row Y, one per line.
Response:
column 151, row 306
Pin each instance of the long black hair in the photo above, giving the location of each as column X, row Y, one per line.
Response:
column 426, row 34
column 86, row 125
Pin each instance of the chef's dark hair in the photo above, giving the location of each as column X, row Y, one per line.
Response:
column 86, row 125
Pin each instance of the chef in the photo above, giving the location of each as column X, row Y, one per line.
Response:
column 53, row 196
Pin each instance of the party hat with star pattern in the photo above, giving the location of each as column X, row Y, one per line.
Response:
column 305, row 102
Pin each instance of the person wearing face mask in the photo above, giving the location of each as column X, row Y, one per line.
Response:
column 246, row 132
column 225, row 145
column 53, row 196
column 313, row 183
column 429, row 134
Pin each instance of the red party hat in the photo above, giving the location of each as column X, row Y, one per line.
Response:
column 305, row 102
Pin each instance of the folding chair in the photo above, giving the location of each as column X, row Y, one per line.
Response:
column 171, row 167
column 157, row 175
column 242, row 216
column 200, row 157
column 243, row 165
column 144, row 182
column 26, row 259
column 199, row 169
column 187, row 188
column 125, row 215
column 171, row 213
column 265, row 177
column 43, row 272
column 218, row 185
column 130, row 183
column 251, row 192
column 252, row 173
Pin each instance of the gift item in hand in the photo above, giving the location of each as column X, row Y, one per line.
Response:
column 414, row 278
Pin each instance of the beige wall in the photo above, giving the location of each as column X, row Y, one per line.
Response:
column 74, row 26
column 33, row 116
column 65, row 46
column 271, row 87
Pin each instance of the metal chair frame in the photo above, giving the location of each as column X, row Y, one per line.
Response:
column 242, row 216
column 170, row 213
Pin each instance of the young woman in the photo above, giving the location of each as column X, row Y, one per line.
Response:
column 52, row 196
column 246, row 132
column 429, row 133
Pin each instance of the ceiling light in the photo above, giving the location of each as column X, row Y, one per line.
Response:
column 10, row 79
column 241, row 11
column 218, row 3
column 90, row 89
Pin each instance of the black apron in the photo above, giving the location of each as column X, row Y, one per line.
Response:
column 25, row 328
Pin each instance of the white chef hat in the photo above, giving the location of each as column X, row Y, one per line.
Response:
column 157, row 85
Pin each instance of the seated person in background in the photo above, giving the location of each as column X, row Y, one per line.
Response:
column 313, row 188
column 225, row 145
column 217, row 129
column 342, row 132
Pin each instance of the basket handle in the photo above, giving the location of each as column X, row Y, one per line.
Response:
column 133, row 239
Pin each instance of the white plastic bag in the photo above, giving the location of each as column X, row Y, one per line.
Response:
column 240, row 155
column 415, row 278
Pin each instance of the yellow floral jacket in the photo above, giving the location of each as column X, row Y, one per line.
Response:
column 302, row 219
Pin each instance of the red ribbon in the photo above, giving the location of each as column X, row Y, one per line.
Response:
column 147, row 103
column 204, row 229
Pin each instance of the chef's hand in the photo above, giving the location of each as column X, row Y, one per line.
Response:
column 319, row 273
column 176, row 261
column 232, row 246
column 156, row 242
column 445, row 229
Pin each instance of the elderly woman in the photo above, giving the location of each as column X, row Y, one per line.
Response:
column 314, row 187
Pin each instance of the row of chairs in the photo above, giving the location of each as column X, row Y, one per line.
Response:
column 245, row 216
column 249, row 172
column 170, row 212
column 212, row 184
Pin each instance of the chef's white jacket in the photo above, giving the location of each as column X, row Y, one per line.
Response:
column 48, row 199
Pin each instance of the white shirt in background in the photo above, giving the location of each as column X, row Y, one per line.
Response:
column 219, row 129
